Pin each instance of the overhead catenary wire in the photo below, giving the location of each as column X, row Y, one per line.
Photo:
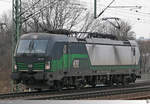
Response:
column 44, row 7
column 129, row 13
column 109, row 7
column 37, row 12
column 105, row 8
column 121, row 12
column 130, row 16
column 126, row 12
column 134, row 7
column 134, row 13
column 29, row 8
column 128, row 6
column 124, row 4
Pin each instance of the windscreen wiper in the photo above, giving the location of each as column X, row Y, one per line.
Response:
column 31, row 46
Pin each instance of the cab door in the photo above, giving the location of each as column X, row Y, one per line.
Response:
column 134, row 55
column 66, row 57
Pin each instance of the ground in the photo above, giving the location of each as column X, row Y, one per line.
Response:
column 5, row 82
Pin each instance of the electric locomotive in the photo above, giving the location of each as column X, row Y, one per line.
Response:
column 44, row 60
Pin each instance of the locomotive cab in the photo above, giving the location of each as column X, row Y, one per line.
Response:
column 32, row 59
column 26, row 52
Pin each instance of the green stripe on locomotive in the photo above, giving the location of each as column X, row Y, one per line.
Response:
column 36, row 66
column 66, row 62
column 113, row 67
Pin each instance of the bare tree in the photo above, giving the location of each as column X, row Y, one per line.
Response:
column 5, row 52
column 145, row 54
column 94, row 25
column 124, row 32
column 58, row 15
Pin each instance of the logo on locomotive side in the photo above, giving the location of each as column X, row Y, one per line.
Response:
column 30, row 66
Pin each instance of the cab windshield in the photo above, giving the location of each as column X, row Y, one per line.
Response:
column 32, row 46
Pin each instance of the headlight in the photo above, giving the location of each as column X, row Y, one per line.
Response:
column 15, row 67
column 47, row 65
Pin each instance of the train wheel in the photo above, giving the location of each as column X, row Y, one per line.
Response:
column 110, row 83
column 133, row 76
column 125, row 81
column 117, row 84
column 79, row 84
column 94, row 84
column 58, row 85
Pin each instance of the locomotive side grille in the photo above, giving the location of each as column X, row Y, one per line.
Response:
column 38, row 66
column 22, row 66
column 35, row 66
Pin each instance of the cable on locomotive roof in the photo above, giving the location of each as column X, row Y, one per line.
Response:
column 82, row 35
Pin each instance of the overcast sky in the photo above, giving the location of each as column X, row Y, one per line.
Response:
column 140, row 20
column 5, row 5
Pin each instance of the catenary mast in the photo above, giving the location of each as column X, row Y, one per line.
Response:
column 16, row 19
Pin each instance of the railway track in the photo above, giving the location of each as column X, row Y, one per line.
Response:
column 94, row 94
column 85, row 93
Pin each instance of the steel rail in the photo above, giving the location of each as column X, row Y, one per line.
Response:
column 93, row 94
